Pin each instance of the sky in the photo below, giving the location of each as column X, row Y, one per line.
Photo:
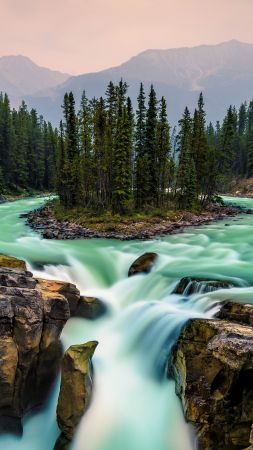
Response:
column 80, row 36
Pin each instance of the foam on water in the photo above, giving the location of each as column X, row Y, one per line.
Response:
column 134, row 405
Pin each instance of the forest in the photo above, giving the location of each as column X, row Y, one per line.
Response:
column 28, row 149
column 107, row 157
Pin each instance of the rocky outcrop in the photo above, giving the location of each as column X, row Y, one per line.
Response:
column 33, row 313
column 79, row 306
column 236, row 312
column 30, row 327
column 213, row 369
column 143, row 264
column 60, row 289
column 11, row 262
column 190, row 285
column 76, row 390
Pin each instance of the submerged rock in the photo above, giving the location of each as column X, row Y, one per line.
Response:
column 213, row 369
column 143, row 264
column 76, row 390
column 191, row 285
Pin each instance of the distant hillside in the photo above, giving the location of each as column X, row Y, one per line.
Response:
column 224, row 72
column 20, row 77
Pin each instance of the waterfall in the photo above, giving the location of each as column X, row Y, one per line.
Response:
column 134, row 405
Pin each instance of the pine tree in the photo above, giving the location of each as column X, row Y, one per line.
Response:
column 100, row 155
column 248, row 140
column 150, row 158
column 141, row 175
column 121, row 194
column 74, row 181
column 163, row 154
column 62, row 169
column 228, row 144
column 85, row 136
column 200, row 146
column 186, row 175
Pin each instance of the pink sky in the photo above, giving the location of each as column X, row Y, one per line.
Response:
column 80, row 36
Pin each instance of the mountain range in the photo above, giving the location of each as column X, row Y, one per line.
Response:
column 224, row 73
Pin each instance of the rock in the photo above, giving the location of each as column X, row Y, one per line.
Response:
column 143, row 264
column 31, row 322
column 190, row 285
column 238, row 312
column 62, row 443
column 79, row 306
column 90, row 308
column 213, row 369
column 76, row 387
column 61, row 289
column 11, row 262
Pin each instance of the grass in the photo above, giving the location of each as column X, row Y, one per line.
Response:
column 106, row 221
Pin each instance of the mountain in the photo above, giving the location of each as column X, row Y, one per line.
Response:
column 224, row 73
column 21, row 77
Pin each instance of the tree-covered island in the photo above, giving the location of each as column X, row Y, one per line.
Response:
column 110, row 164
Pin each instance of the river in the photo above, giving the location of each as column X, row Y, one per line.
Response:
column 134, row 405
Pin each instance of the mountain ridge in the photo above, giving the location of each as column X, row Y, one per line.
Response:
column 20, row 76
column 224, row 72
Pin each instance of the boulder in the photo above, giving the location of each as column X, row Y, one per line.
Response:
column 11, row 262
column 76, row 389
column 79, row 306
column 213, row 370
column 143, row 264
column 90, row 308
column 191, row 285
column 236, row 312
column 61, row 288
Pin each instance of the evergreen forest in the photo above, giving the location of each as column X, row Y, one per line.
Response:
column 107, row 157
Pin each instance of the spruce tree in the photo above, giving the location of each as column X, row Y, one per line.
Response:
column 74, row 181
column 199, row 146
column 150, row 158
column 186, row 174
column 85, row 136
column 163, row 154
column 121, row 194
column 140, row 175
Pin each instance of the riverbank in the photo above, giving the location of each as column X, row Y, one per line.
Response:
column 12, row 197
column 242, row 188
column 45, row 221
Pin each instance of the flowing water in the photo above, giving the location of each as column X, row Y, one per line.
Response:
column 134, row 405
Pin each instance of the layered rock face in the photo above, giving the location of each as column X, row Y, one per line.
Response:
column 213, row 369
column 30, row 350
column 76, row 390
column 33, row 313
column 79, row 306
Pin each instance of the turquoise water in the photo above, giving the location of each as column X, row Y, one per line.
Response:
column 134, row 405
